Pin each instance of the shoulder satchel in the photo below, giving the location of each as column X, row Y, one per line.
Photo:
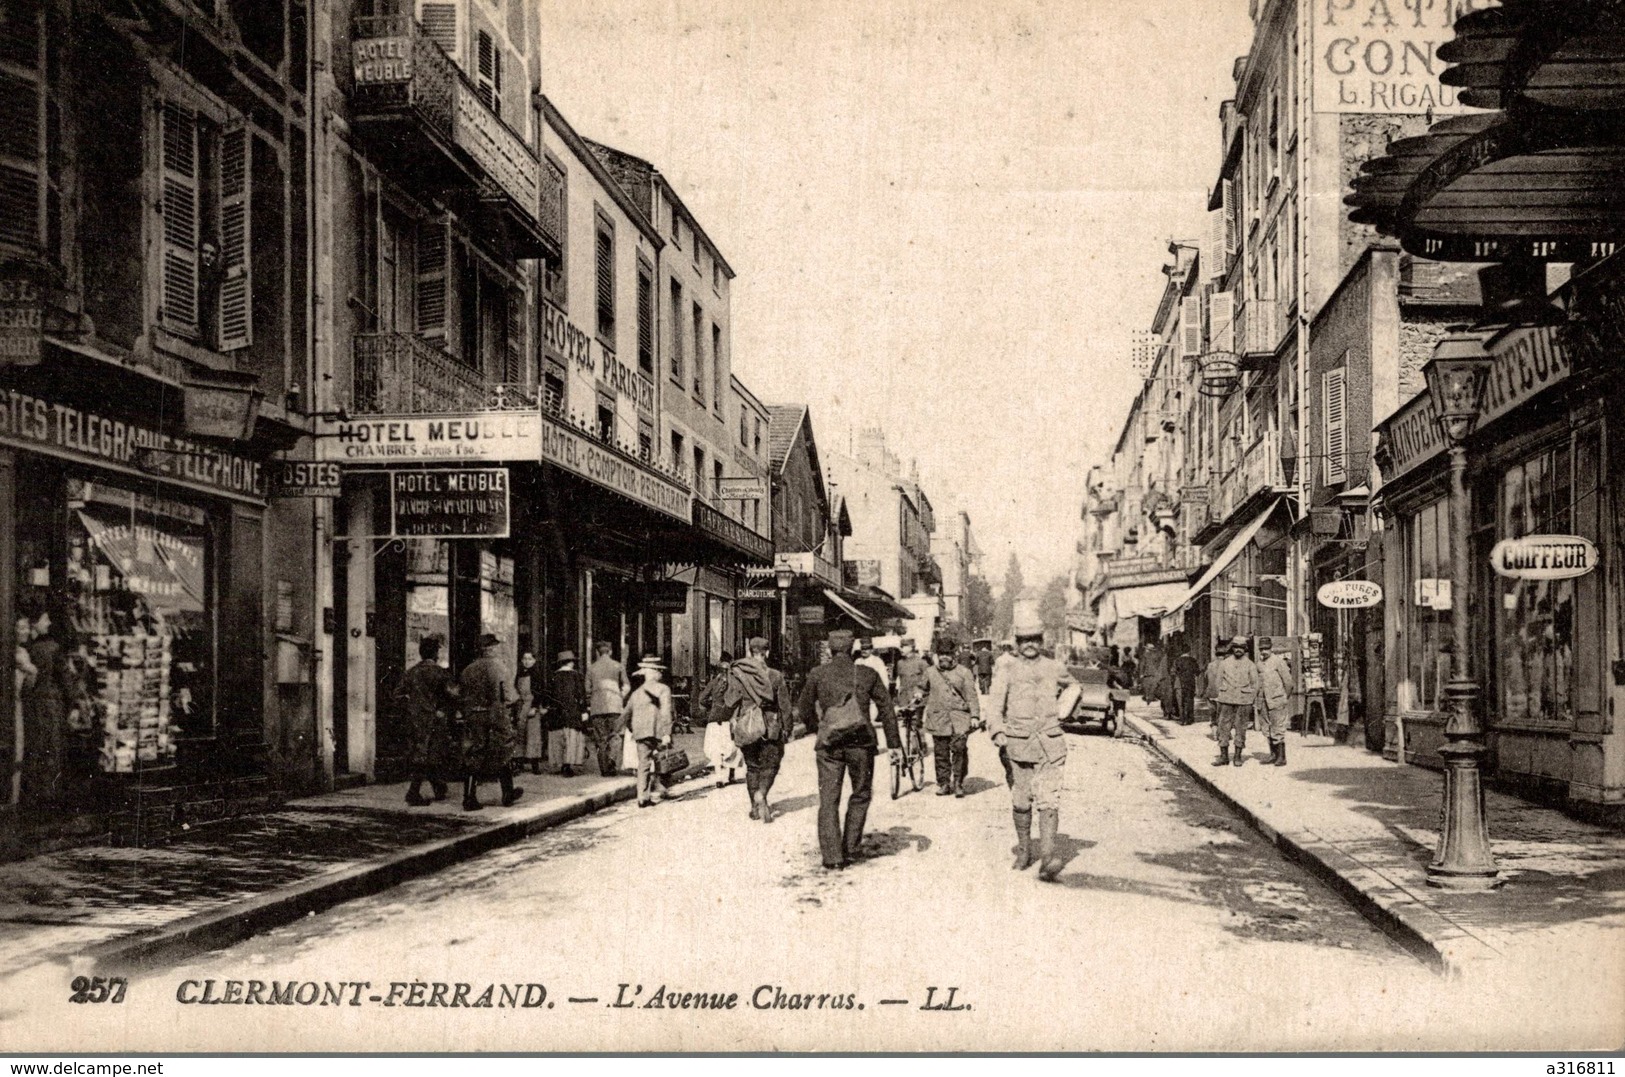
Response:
column 840, row 724
column 748, row 725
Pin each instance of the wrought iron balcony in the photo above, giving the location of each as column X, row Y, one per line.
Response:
column 433, row 121
column 402, row 374
column 1258, row 471
column 1258, row 332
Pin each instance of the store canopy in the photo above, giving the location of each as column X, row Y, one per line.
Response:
column 1123, row 603
column 850, row 610
column 1228, row 557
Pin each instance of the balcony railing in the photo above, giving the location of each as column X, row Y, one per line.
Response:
column 402, row 374
column 400, row 72
column 1258, row 470
column 1258, row 328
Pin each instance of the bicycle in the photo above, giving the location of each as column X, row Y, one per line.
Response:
column 912, row 758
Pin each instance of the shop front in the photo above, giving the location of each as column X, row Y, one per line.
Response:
column 131, row 598
column 1538, row 471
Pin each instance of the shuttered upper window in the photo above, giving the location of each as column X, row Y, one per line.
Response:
column 646, row 319
column 204, row 197
column 1334, row 423
column 30, row 203
column 698, row 326
column 677, row 332
column 606, row 281
column 488, row 69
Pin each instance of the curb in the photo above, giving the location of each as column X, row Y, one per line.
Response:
column 1413, row 925
column 251, row 916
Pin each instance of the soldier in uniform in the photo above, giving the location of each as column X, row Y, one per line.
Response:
column 951, row 709
column 1023, row 720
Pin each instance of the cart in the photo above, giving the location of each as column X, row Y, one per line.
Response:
column 1092, row 698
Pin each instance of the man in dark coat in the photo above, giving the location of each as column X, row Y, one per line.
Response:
column 1185, row 672
column 487, row 696
column 566, row 711
column 835, row 701
column 426, row 696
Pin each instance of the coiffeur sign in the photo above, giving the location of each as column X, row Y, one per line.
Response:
column 1350, row 594
column 1544, row 557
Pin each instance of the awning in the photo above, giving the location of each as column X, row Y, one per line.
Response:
column 1226, row 559
column 849, row 609
column 1153, row 601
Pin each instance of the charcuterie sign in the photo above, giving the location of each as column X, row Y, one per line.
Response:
column 1350, row 594
column 1544, row 557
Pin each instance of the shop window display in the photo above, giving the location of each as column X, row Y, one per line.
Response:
column 1428, row 609
column 1534, row 619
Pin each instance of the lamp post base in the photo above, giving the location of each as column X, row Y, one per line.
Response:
column 1464, row 860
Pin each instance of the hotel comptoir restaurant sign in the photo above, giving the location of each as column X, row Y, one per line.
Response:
column 45, row 426
column 1381, row 56
column 1527, row 361
column 487, row 436
column 566, row 449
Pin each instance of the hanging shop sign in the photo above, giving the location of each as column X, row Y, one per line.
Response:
column 306, row 478
column 214, row 411
column 1221, row 374
column 1544, row 557
column 480, row 436
column 459, row 503
column 1350, row 594
column 758, row 594
column 22, row 321
column 44, row 426
column 667, row 596
column 1381, row 57
column 565, row 448
column 810, row 615
column 742, row 488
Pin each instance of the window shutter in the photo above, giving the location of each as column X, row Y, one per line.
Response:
column 1222, row 318
column 646, row 326
column 1190, row 326
column 22, row 125
column 440, row 23
column 513, row 362
column 178, row 205
column 235, row 315
column 1214, row 252
column 1334, row 417
column 1232, row 219
column 433, row 296
column 489, row 70
column 606, row 285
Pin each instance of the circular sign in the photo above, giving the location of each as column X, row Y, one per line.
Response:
column 1544, row 557
column 1350, row 594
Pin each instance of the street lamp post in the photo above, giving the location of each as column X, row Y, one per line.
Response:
column 1456, row 375
column 784, row 576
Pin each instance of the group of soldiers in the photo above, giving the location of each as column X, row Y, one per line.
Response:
column 1242, row 691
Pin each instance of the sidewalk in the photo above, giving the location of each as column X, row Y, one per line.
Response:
column 114, row 906
column 1369, row 827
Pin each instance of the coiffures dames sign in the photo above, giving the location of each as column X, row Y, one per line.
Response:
column 449, row 503
column 492, row 436
column 566, row 449
column 1526, row 362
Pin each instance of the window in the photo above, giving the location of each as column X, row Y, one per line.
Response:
column 606, row 420
column 757, row 439
column 716, row 476
column 30, row 137
column 1334, row 423
column 646, row 441
column 696, row 250
column 1428, row 608
column 488, row 73
column 716, row 276
column 744, row 428
column 676, row 229
column 699, row 470
column 716, row 367
column 553, row 389
column 677, row 459
column 202, row 204
column 677, row 333
column 606, row 280
column 699, row 353
column 646, row 319
column 555, row 199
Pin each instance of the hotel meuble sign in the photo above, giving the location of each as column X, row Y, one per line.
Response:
column 485, row 436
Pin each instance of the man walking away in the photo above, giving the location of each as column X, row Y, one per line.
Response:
column 1185, row 673
column 648, row 718
column 487, row 698
column 1274, row 698
column 565, row 715
column 607, row 686
column 427, row 694
column 951, row 710
column 752, row 682
column 1237, row 688
column 984, row 669
column 1023, row 720
column 835, row 701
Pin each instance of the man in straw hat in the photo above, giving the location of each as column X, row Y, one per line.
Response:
column 1022, row 717
column 835, row 701
column 648, row 717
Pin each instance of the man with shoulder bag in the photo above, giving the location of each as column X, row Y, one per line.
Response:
column 756, row 704
column 835, row 701
column 648, row 718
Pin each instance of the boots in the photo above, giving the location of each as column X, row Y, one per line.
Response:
column 415, row 797
column 1238, row 759
column 1049, row 824
column 509, row 793
column 1024, row 838
column 439, row 788
column 471, row 794
column 755, row 803
column 1280, row 753
column 1224, row 756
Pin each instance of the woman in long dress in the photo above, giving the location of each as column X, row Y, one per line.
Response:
column 727, row 762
